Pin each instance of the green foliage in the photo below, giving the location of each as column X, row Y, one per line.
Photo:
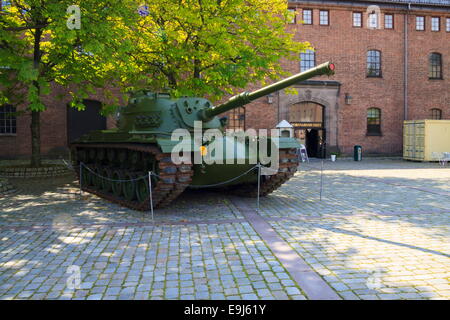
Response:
column 81, row 59
column 211, row 47
column 192, row 47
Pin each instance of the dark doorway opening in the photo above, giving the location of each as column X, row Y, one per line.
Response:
column 308, row 121
column 312, row 142
column 82, row 122
column 315, row 143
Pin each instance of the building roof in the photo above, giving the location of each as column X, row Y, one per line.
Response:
column 284, row 124
column 429, row 3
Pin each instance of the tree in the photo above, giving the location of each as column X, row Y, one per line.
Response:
column 46, row 41
column 212, row 47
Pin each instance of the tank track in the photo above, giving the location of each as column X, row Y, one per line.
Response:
column 173, row 179
column 288, row 163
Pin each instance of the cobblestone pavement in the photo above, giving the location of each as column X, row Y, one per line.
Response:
column 380, row 231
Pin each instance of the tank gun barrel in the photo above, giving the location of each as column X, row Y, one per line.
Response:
column 247, row 97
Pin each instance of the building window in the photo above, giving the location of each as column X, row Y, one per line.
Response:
column 324, row 18
column 420, row 23
column 435, row 23
column 307, row 16
column 389, row 21
column 7, row 120
column 436, row 114
column 292, row 18
column 374, row 122
column 447, row 25
column 374, row 63
column 373, row 21
column 435, row 66
column 307, row 60
column 237, row 119
column 357, row 19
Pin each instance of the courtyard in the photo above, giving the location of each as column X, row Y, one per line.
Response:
column 379, row 230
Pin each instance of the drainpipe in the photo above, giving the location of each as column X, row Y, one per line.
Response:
column 405, row 59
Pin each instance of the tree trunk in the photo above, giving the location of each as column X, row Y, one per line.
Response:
column 35, row 115
column 35, row 139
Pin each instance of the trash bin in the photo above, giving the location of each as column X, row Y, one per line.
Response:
column 357, row 153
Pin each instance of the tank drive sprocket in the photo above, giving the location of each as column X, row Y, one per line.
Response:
column 288, row 163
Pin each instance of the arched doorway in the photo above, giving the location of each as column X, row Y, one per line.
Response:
column 307, row 118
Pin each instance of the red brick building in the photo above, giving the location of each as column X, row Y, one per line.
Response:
column 393, row 63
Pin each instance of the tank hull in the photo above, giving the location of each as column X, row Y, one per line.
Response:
column 120, row 157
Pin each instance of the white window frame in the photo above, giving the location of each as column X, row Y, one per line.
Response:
column 373, row 20
column 310, row 17
column 294, row 16
column 359, row 20
column 322, row 15
column 435, row 27
column 422, row 24
column 389, row 25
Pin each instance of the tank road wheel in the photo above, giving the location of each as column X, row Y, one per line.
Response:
column 135, row 159
column 106, row 183
column 117, row 186
column 86, row 177
column 92, row 154
column 288, row 163
column 100, row 155
column 111, row 155
column 81, row 155
column 122, row 157
column 97, row 177
column 129, row 187
column 142, row 187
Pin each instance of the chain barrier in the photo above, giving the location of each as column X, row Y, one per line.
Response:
column 211, row 185
column 68, row 165
column 150, row 174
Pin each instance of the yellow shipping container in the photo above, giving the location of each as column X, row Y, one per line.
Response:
column 423, row 137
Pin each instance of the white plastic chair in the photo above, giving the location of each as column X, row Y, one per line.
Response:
column 303, row 153
column 445, row 158
column 442, row 157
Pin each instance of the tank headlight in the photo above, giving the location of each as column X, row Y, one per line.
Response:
column 203, row 150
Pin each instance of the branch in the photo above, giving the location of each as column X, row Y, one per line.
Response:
column 26, row 28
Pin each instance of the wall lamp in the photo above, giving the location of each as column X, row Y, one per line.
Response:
column 348, row 99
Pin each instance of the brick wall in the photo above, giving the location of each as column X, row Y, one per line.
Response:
column 53, row 127
column 347, row 47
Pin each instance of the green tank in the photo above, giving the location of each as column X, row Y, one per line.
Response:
column 142, row 143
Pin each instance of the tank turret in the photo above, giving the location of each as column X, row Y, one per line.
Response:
column 157, row 112
column 109, row 162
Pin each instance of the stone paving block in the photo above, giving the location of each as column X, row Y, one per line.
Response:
column 292, row 290
column 202, row 295
column 231, row 291
column 349, row 295
column 280, row 295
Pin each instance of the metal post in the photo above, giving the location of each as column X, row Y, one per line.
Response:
column 81, row 177
column 321, row 180
column 259, row 183
column 150, row 190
